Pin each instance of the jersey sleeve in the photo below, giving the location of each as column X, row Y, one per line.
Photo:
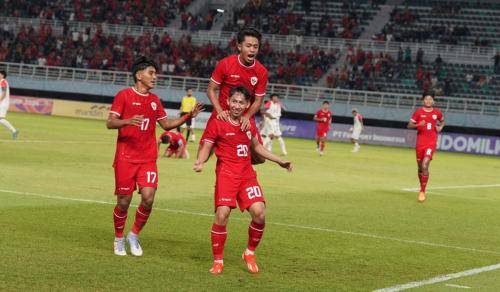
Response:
column 440, row 116
column 211, row 132
column 267, row 105
column 160, row 111
column 260, row 88
column 219, row 73
column 118, row 104
column 414, row 117
column 4, row 84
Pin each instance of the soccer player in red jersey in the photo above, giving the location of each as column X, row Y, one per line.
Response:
column 236, row 180
column 241, row 69
column 176, row 144
column 323, row 117
column 134, row 113
column 429, row 122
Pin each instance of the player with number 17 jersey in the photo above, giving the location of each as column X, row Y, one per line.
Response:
column 137, row 144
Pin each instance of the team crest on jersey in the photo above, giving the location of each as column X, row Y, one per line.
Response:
column 249, row 135
column 253, row 80
column 153, row 105
column 434, row 117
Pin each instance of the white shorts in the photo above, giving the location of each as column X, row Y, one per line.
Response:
column 3, row 111
column 355, row 134
column 274, row 126
column 265, row 129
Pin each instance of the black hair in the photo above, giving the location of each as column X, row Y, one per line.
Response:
column 326, row 102
column 273, row 94
column 426, row 94
column 242, row 90
column 165, row 139
column 142, row 63
column 3, row 73
column 189, row 88
column 248, row 31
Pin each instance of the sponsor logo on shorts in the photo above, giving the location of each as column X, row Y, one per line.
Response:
column 224, row 200
column 124, row 189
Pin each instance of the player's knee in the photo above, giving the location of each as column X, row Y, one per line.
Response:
column 123, row 204
column 221, row 218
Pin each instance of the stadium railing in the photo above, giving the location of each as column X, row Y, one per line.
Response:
column 287, row 92
column 458, row 52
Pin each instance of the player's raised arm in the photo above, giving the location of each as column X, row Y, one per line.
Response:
column 203, row 154
column 169, row 124
column 259, row 149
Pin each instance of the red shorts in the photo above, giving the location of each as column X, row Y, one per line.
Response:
column 322, row 132
column 425, row 151
column 230, row 190
column 129, row 175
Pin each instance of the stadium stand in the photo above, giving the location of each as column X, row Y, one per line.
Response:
column 311, row 18
column 147, row 13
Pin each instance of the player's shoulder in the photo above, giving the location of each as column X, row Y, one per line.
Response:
column 125, row 92
column 4, row 83
column 228, row 60
column 259, row 67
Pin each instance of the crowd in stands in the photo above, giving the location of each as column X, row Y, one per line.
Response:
column 281, row 17
column 439, row 24
column 137, row 12
column 181, row 58
column 365, row 70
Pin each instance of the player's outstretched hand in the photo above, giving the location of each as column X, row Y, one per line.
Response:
column 198, row 108
column 223, row 115
column 198, row 166
column 136, row 120
column 245, row 123
column 286, row 164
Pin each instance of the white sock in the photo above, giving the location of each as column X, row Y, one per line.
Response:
column 356, row 145
column 249, row 252
column 219, row 261
column 7, row 125
column 192, row 137
column 282, row 145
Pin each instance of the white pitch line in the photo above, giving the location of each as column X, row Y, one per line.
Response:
column 361, row 234
column 55, row 141
column 454, row 187
column 458, row 286
column 439, row 279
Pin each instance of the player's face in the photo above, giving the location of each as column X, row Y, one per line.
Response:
column 147, row 77
column 354, row 113
column 249, row 49
column 275, row 99
column 428, row 101
column 325, row 106
column 237, row 105
column 190, row 92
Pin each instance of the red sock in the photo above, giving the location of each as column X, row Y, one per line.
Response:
column 322, row 146
column 141, row 217
column 255, row 232
column 420, row 177
column 423, row 182
column 119, row 218
column 218, row 235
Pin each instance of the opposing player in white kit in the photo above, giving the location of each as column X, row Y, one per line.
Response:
column 271, row 128
column 356, row 129
column 4, row 103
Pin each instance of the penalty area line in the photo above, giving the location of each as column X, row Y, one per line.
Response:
column 305, row 227
column 439, row 279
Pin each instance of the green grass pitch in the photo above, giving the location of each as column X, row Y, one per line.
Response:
column 341, row 222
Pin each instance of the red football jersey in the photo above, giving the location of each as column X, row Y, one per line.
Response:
column 427, row 134
column 231, row 72
column 176, row 139
column 232, row 147
column 137, row 144
column 324, row 114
